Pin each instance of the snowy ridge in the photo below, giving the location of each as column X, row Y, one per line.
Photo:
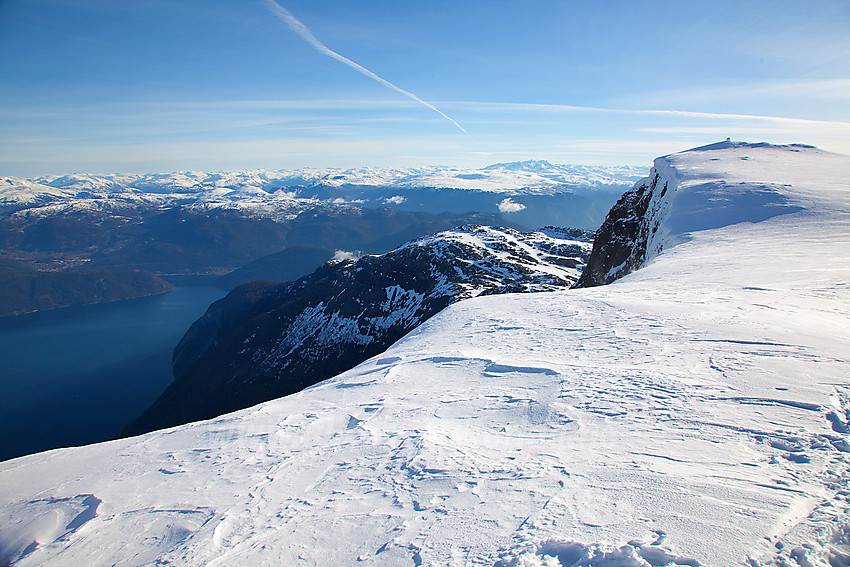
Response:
column 43, row 197
column 450, row 266
column 268, row 340
column 544, row 260
column 455, row 265
column 694, row 412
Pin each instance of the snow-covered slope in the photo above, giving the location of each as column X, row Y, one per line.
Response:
column 266, row 340
column 639, row 225
column 694, row 412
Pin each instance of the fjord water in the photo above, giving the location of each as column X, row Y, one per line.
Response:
column 78, row 375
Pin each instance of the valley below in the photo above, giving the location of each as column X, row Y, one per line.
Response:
column 80, row 239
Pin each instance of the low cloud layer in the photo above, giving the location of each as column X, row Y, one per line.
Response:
column 508, row 206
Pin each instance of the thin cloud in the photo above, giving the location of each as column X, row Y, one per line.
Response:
column 833, row 90
column 745, row 130
column 486, row 106
column 305, row 34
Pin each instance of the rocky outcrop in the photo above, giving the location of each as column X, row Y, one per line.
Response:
column 266, row 340
column 621, row 243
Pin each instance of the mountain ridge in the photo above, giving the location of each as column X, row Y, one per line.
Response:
column 637, row 227
column 513, row 176
column 267, row 340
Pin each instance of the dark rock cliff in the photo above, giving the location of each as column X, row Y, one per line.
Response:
column 621, row 242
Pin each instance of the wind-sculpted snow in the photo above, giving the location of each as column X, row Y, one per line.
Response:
column 694, row 412
column 265, row 340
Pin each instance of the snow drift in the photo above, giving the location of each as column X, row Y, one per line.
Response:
column 693, row 412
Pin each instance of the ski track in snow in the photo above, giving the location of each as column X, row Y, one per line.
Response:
column 693, row 413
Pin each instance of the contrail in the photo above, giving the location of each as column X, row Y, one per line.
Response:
column 305, row 33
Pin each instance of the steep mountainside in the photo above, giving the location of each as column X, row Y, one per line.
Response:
column 694, row 412
column 620, row 246
column 268, row 340
column 285, row 266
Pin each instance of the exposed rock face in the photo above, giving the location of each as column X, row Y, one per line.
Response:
column 266, row 340
column 621, row 242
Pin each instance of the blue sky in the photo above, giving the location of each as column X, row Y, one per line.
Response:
column 164, row 85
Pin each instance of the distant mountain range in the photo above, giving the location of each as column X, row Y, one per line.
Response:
column 251, row 187
column 60, row 232
column 526, row 190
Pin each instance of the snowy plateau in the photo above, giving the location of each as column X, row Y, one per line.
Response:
column 693, row 412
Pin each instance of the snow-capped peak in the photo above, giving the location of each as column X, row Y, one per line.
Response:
column 525, row 165
column 514, row 176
